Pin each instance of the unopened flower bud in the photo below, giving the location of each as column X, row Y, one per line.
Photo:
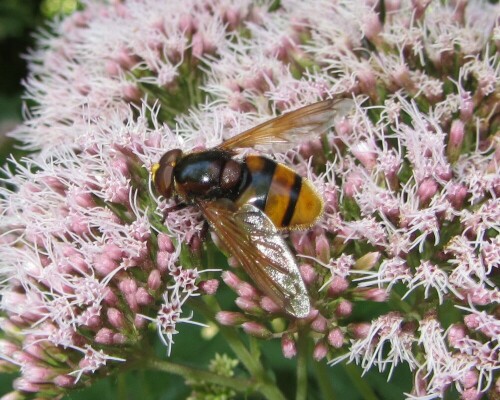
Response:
column 269, row 305
column 319, row 324
column 143, row 298
column 165, row 243
column 323, row 248
column 361, row 330
column 337, row 286
column 248, row 305
column 373, row 294
column 104, row 336
column 115, row 318
column 154, row 280
column 353, row 184
column 426, row 190
column 455, row 140
column 344, row 308
column 336, row 338
column 65, row 381
column 230, row 318
column 320, row 351
column 209, row 287
column 288, row 347
column 308, row 274
column 367, row 262
column 119, row 338
column 256, row 329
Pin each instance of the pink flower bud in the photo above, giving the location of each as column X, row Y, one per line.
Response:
column 288, row 347
column 248, row 305
column 125, row 59
column 113, row 251
column 319, row 324
column 372, row 26
column 374, row 294
column 471, row 394
column 165, row 243
column 426, row 190
column 320, row 351
column 140, row 322
column 104, row 336
column 336, row 338
column 131, row 93
column 472, row 321
column 456, row 194
column 302, row 243
column 255, row 329
column 110, row 298
column 455, row 140
column 243, row 289
column 269, row 305
column 115, row 318
column 7, row 348
column 353, row 184
column 65, row 381
column 367, row 262
column 119, row 338
column 323, row 248
column 209, row 287
column 344, row 308
column 337, row 286
column 112, row 68
column 361, row 330
column 470, row 379
column 105, row 265
column 154, row 280
column 230, row 318
column 308, row 274
column 231, row 280
column 143, row 298
column 128, row 287
column 365, row 152
column 24, row 385
column 37, row 374
column 466, row 107
column 163, row 261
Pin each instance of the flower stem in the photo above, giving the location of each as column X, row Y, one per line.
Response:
column 302, row 347
column 262, row 381
column 323, row 380
column 238, row 384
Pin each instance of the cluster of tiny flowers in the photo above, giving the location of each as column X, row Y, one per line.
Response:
column 91, row 256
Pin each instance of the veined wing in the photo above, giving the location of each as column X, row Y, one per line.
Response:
column 303, row 124
column 254, row 241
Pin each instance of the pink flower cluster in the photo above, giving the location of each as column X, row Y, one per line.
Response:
column 90, row 255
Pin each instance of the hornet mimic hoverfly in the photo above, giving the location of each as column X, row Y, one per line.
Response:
column 248, row 202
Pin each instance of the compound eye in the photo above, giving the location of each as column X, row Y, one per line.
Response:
column 164, row 172
column 170, row 157
column 164, row 180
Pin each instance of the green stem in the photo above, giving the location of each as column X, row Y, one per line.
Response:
column 363, row 388
column 238, row 384
column 323, row 379
column 302, row 348
column 263, row 383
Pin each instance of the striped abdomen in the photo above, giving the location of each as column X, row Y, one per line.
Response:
column 287, row 199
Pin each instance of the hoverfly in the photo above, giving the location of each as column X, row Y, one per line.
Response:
column 248, row 202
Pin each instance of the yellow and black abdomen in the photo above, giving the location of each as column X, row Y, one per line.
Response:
column 289, row 200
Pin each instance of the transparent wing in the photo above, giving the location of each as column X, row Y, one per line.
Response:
column 293, row 127
column 254, row 241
